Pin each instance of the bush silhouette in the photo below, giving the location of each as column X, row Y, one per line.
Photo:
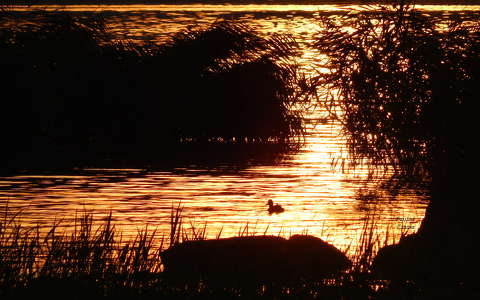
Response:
column 74, row 89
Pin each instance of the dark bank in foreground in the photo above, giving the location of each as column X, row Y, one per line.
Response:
column 92, row 261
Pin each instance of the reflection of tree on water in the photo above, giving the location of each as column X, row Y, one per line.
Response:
column 409, row 89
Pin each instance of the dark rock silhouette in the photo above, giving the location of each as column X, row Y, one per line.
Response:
column 274, row 208
column 254, row 258
column 429, row 259
column 312, row 257
column 399, row 261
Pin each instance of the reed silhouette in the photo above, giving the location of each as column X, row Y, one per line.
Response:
column 77, row 94
column 93, row 261
column 406, row 93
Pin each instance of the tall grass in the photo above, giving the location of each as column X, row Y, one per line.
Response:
column 92, row 256
column 92, row 260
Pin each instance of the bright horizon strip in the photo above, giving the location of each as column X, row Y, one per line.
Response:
column 228, row 7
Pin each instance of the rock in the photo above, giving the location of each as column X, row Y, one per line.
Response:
column 399, row 261
column 253, row 258
column 427, row 258
column 310, row 256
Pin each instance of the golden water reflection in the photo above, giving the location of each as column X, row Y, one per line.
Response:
column 318, row 199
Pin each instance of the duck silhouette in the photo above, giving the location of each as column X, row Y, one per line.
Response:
column 274, row 208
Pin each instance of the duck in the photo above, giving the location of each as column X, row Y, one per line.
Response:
column 274, row 208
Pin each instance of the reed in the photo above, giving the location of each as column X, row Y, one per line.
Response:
column 90, row 257
column 93, row 260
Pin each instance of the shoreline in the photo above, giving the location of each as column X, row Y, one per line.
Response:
column 39, row 3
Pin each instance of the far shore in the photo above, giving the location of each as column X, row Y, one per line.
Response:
column 37, row 3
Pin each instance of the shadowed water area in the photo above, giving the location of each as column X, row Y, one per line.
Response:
column 228, row 195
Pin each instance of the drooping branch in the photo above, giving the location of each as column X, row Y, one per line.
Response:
column 404, row 85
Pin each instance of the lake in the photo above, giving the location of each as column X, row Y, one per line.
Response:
column 319, row 198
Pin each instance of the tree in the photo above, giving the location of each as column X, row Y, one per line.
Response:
column 404, row 85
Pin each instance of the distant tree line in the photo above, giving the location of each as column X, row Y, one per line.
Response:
column 99, row 2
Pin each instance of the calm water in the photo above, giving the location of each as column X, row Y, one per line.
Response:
column 318, row 198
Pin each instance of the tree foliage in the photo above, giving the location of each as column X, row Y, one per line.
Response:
column 404, row 85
